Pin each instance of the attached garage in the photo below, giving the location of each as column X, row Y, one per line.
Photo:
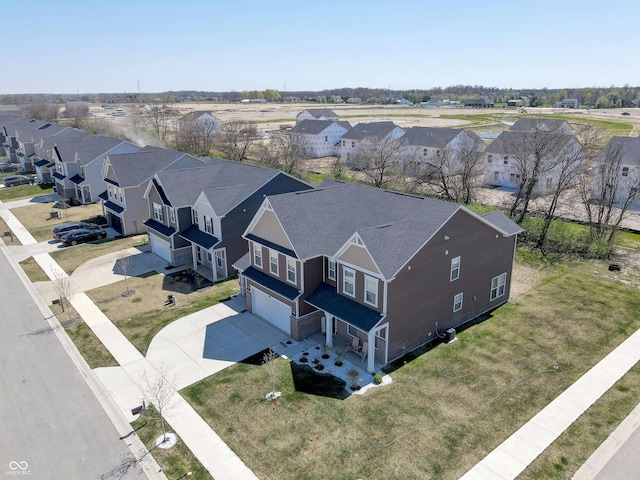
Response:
column 160, row 247
column 271, row 309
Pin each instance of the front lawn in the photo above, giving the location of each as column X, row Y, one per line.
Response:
column 23, row 191
column 448, row 407
column 140, row 316
column 38, row 221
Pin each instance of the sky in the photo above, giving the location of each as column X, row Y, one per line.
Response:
column 67, row 46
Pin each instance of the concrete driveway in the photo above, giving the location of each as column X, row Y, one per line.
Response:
column 205, row 342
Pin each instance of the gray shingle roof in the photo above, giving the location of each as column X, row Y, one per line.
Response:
column 376, row 130
column 224, row 183
column 541, row 124
column 312, row 127
column 321, row 112
column 132, row 169
column 392, row 225
column 630, row 148
column 191, row 116
column 87, row 149
column 504, row 223
column 519, row 144
column 429, row 136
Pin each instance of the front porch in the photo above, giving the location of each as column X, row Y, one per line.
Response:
column 340, row 347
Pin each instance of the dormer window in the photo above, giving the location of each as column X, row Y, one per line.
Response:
column 157, row 212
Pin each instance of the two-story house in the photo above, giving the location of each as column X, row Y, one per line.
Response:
column 127, row 176
column 550, row 125
column 365, row 135
column 317, row 114
column 393, row 269
column 421, row 146
column 8, row 126
column 45, row 154
column 517, row 156
column 319, row 138
column 616, row 173
column 198, row 215
column 26, row 138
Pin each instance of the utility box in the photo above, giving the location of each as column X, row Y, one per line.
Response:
column 450, row 335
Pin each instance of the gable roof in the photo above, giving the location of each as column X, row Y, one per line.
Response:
column 87, row 149
column 321, row 112
column 132, row 169
column 518, row 144
column 315, row 127
column 377, row 130
column 429, row 136
column 196, row 114
column 393, row 226
column 541, row 124
column 630, row 149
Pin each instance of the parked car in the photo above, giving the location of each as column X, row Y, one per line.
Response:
column 83, row 235
column 98, row 220
column 14, row 180
column 8, row 167
column 625, row 114
column 65, row 228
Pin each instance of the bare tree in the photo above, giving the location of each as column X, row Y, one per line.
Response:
column 159, row 391
column 283, row 151
column 157, row 120
column 271, row 367
column 609, row 190
column 235, row 138
column 41, row 111
column 64, row 289
column 124, row 262
column 379, row 161
column 197, row 136
column 78, row 112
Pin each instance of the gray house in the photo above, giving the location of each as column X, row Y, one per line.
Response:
column 392, row 269
column 197, row 215
column 480, row 102
column 46, row 154
column 551, row 125
column 127, row 176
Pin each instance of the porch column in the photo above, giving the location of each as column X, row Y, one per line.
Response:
column 371, row 353
column 194, row 257
column 214, row 265
column 328, row 324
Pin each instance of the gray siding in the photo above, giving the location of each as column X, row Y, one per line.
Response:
column 312, row 280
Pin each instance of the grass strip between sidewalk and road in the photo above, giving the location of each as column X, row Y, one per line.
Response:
column 450, row 406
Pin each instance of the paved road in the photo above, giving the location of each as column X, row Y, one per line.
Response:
column 51, row 424
column 625, row 463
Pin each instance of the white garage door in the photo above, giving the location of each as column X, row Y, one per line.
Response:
column 160, row 247
column 271, row 309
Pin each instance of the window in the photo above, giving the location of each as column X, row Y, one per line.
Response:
column 219, row 258
column 326, row 138
column 172, row 215
column 497, row 286
column 625, row 171
column 424, row 152
column 209, row 256
column 332, row 270
column 257, row 255
column 351, row 330
column 371, row 290
column 273, row 262
column 438, row 153
column 344, row 143
column 194, row 215
column 110, row 191
column 496, row 176
column 455, row 269
column 291, row 270
column 349, row 281
column 199, row 254
column 457, row 302
column 489, row 158
column 208, row 224
column 157, row 212
column 382, row 333
column 506, row 160
column 353, row 144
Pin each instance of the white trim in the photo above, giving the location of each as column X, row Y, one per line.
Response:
column 458, row 299
column 503, row 277
column 355, row 239
column 335, row 264
column 273, row 254
column 295, row 270
column 257, row 248
column 375, row 291
column 457, row 269
column 353, row 272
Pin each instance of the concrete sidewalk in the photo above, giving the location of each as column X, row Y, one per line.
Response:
column 510, row 458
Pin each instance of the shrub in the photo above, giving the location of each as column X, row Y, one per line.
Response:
column 303, row 359
column 377, row 379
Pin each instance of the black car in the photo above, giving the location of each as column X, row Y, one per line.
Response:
column 83, row 235
column 14, row 180
column 65, row 228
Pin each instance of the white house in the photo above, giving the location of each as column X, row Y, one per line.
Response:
column 204, row 118
column 618, row 168
column 551, row 125
column 319, row 138
column 363, row 134
column 317, row 114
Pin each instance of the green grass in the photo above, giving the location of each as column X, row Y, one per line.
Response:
column 317, row 177
column 450, row 396
column 70, row 258
column 33, row 270
column 91, row 348
column 23, row 191
column 176, row 461
column 612, row 127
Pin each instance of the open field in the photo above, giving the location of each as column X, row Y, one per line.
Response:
column 140, row 316
column 458, row 400
column 36, row 218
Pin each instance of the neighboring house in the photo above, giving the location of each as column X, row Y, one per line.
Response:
column 317, row 114
column 319, row 138
column 514, row 153
column 480, row 102
column 203, row 117
column 552, row 125
column 197, row 215
column 567, row 103
column 623, row 155
column 515, row 102
column 423, row 145
column 8, row 142
column 27, row 137
column 393, row 269
column 127, row 176
column 362, row 135
column 45, row 154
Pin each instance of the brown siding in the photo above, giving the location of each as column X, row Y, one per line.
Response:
column 423, row 295
column 359, row 288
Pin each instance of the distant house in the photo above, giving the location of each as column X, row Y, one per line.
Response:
column 203, row 117
column 623, row 154
column 423, row 145
column 513, row 153
column 551, row 125
column 319, row 138
column 26, row 137
column 46, row 155
column 196, row 216
column 8, row 126
column 364, row 134
column 317, row 114
column 567, row 103
column 480, row 102
column 127, row 176
column 515, row 102
column 394, row 270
